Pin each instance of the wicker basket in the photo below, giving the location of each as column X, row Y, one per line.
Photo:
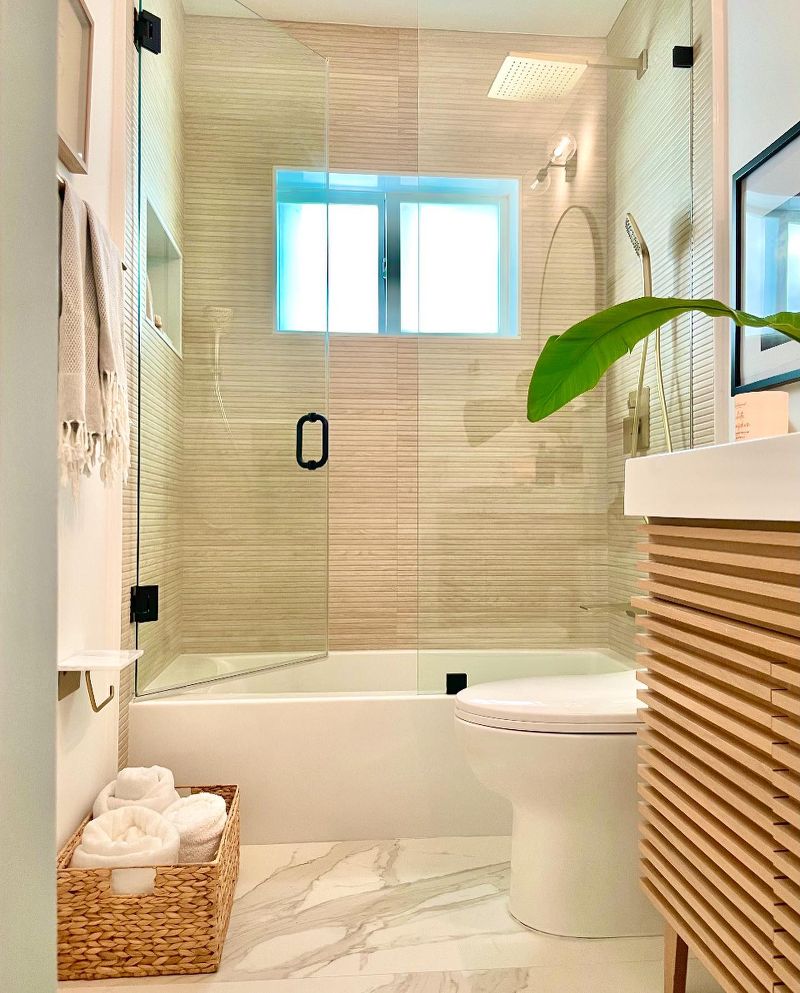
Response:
column 179, row 928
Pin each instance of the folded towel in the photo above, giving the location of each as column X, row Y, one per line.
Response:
column 115, row 455
column 127, row 840
column 199, row 819
column 80, row 405
column 153, row 788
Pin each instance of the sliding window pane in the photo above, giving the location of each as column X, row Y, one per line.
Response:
column 454, row 251
column 355, row 275
column 302, row 266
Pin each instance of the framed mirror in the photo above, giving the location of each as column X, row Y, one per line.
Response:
column 75, row 42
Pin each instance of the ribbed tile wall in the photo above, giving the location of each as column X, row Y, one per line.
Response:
column 659, row 131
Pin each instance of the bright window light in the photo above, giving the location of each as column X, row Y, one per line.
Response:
column 377, row 254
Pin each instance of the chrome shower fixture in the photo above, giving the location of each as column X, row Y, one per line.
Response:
column 546, row 77
column 643, row 253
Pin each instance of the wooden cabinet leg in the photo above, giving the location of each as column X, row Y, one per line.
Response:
column 676, row 954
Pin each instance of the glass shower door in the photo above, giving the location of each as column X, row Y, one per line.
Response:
column 232, row 486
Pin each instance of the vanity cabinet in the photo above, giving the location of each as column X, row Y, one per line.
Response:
column 719, row 776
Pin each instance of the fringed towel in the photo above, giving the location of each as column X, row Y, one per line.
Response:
column 80, row 405
column 115, row 455
column 92, row 382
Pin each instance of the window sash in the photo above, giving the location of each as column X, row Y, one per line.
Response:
column 388, row 261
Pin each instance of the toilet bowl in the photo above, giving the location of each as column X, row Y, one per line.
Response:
column 562, row 749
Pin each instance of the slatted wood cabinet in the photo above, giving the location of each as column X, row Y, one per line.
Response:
column 719, row 784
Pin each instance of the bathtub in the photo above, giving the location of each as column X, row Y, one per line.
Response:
column 344, row 747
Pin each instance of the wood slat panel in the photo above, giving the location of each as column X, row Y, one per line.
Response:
column 727, row 582
column 664, row 716
column 687, row 837
column 750, row 684
column 786, row 862
column 720, row 756
column 758, row 861
column 702, row 870
column 715, row 648
column 700, row 892
column 681, row 749
column 710, row 689
column 751, row 734
column 707, row 950
column 736, row 560
column 783, row 536
column 671, row 782
column 781, row 620
column 758, row 640
column 787, row 756
column 721, row 941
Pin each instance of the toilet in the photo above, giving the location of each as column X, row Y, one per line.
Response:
column 562, row 749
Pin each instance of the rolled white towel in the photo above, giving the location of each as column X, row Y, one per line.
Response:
column 128, row 840
column 200, row 820
column 152, row 787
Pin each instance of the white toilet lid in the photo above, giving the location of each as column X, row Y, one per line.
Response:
column 604, row 703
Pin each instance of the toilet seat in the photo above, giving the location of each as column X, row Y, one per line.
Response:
column 603, row 703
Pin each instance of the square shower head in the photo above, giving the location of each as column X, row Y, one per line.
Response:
column 537, row 77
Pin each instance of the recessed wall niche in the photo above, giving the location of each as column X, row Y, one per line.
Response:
column 163, row 289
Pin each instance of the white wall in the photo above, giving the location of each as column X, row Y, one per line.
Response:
column 90, row 528
column 763, row 90
column 28, row 347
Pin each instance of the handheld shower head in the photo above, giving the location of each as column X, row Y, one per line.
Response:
column 643, row 252
column 636, row 237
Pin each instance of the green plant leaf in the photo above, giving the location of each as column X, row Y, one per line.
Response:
column 574, row 362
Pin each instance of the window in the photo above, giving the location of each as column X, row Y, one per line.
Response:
column 380, row 254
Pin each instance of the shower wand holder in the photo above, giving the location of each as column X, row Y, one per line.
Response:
column 643, row 442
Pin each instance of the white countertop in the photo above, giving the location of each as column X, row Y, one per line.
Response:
column 746, row 480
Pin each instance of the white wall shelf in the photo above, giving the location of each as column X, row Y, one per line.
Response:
column 99, row 661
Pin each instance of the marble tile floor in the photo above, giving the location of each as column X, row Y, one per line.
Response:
column 406, row 916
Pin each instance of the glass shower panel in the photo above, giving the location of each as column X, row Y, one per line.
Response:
column 524, row 563
column 232, row 528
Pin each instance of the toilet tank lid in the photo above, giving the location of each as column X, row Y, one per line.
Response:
column 607, row 698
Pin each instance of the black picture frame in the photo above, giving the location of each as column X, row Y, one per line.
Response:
column 739, row 179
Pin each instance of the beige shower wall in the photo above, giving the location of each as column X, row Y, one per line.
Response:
column 511, row 533
column 660, row 168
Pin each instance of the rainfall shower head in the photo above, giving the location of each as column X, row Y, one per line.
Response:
column 545, row 77
column 534, row 77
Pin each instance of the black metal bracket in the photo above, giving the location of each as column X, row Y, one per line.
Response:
column 683, row 56
column 455, row 682
column 144, row 604
column 147, row 31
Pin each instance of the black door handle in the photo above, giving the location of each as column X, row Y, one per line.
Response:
column 311, row 464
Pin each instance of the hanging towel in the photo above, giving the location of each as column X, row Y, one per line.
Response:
column 152, row 787
column 200, row 820
column 80, row 405
column 115, row 455
column 128, row 840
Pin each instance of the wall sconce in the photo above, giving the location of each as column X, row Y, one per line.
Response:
column 563, row 150
column 564, row 154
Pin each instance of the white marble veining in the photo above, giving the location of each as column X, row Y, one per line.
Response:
column 410, row 916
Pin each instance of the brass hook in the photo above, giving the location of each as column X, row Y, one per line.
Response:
column 92, row 700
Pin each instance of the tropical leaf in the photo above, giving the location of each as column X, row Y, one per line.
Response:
column 574, row 362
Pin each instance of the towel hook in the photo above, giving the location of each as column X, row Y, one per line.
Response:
column 97, row 707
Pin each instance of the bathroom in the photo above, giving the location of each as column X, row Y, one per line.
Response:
column 349, row 570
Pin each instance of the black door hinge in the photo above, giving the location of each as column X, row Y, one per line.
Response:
column 144, row 604
column 683, row 56
column 147, row 31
